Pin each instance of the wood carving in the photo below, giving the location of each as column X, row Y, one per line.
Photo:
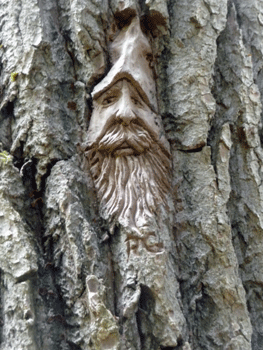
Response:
column 128, row 154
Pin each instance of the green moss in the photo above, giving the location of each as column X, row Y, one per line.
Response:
column 5, row 158
column 14, row 76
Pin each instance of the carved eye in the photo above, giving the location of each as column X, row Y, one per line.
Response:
column 109, row 100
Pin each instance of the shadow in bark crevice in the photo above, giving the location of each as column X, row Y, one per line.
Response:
column 6, row 116
column 146, row 306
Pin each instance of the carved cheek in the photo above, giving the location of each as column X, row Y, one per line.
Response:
column 102, row 118
column 145, row 115
column 103, row 114
column 109, row 113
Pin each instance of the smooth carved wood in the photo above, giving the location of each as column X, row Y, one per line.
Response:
column 128, row 154
column 131, row 56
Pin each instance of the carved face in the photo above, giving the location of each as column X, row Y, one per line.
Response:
column 122, row 104
column 128, row 156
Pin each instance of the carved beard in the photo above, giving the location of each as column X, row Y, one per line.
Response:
column 131, row 180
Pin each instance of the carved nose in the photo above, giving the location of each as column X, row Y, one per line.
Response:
column 125, row 113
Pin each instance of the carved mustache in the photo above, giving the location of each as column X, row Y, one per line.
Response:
column 132, row 135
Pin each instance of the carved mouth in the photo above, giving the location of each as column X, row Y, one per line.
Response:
column 124, row 145
column 124, row 150
column 120, row 140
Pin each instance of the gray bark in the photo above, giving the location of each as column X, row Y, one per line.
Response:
column 61, row 271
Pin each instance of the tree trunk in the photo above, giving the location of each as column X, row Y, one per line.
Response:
column 68, row 278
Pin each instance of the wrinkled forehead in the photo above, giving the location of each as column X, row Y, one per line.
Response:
column 117, row 88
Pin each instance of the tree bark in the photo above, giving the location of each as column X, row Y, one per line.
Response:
column 62, row 272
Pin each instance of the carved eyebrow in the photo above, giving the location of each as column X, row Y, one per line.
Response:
column 136, row 93
column 114, row 90
column 111, row 90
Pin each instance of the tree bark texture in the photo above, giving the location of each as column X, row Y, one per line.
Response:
column 61, row 270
